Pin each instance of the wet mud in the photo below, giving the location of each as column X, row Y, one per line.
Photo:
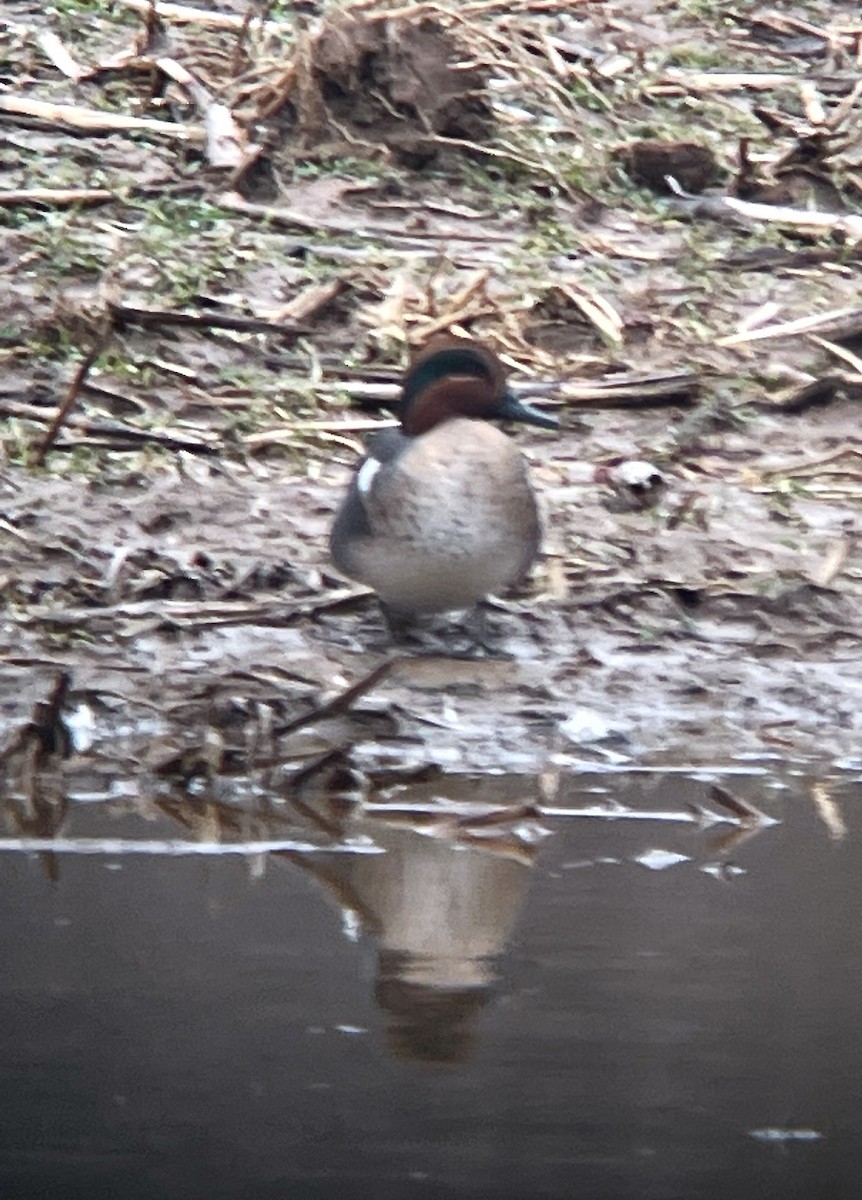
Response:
column 202, row 605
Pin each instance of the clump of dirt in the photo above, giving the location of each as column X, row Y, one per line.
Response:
column 652, row 160
column 397, row 84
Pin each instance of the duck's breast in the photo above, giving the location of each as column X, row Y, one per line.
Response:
column 452, row 518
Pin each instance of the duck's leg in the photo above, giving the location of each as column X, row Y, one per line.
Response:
column 407, row 629
column 481, row 640
column 479, row 631
column 399, row 625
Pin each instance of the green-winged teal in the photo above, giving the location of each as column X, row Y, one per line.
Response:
column 440, row 513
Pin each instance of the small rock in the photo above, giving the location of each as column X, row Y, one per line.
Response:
column 636, row 485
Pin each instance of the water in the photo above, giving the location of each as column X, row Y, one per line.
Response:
column 625, row 1009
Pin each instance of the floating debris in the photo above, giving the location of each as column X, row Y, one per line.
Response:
column 180, row 849
column 660, row 860
column 774, row 1134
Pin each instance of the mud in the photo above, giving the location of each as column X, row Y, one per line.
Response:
column 390, row 86
column 197, row 614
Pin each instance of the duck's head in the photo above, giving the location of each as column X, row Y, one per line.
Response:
column 460, row 379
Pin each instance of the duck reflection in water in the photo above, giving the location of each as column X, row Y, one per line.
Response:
column 442, row 914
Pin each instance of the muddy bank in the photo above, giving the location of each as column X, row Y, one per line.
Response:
column 191, row 364
column 199, row 621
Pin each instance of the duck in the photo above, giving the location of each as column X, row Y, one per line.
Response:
column 440, row 513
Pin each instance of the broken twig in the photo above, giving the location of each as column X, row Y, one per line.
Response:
column 343, row 700
column 102, row 339
column 95, row 120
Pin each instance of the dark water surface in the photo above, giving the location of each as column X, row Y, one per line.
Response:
column 648, row 1010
